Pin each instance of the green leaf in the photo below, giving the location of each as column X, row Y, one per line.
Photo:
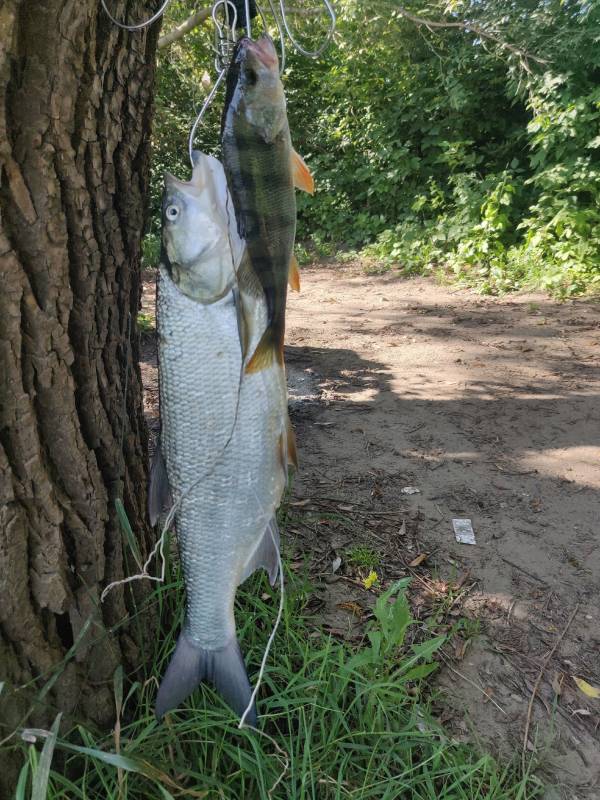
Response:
column 419, row 672
column 429, row 647
column 42, row 774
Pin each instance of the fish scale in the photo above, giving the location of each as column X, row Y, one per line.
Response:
column 221, row 455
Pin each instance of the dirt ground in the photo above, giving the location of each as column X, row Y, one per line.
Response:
column 489, row 408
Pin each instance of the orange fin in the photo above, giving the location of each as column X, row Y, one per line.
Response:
column 302, row 177
column 267, row 352
column 294, row 274
column 292, row 453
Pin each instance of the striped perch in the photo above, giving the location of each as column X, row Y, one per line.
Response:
column 262, row 168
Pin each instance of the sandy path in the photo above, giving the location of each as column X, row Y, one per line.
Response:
column 490, row 408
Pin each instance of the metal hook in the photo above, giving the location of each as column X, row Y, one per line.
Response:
column 202, row 112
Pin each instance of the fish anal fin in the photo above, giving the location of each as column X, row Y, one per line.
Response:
column 266, row 555
column 191, row 664
column 302, row 178
column 268, row 352
column 294, row 274
column 159, row 491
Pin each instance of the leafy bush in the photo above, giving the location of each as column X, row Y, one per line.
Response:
column 436, row 150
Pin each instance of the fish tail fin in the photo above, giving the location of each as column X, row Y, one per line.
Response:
column 223, row 668
column 268, row 350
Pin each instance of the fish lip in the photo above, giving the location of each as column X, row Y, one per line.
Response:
column 194, row 185
column 262, row 48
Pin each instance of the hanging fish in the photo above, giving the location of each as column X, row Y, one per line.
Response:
column 223, row 451
column 262, row 169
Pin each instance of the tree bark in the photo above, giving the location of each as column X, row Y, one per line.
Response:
column 75, row 113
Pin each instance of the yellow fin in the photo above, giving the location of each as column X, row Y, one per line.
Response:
column 292, row 453
column 267, row 351
column 281, row 453
column 294, row 274
column 302, row 177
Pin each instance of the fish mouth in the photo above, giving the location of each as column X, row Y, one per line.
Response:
column 263, row 49
column 195, row 183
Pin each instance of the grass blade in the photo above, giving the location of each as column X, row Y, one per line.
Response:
column 22, row 782
column 127, row 530
column 42, row 774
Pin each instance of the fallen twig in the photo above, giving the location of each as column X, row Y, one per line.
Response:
column 524, row 571
column 538, row 680
column 476, row 685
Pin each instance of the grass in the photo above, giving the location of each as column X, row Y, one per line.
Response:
column 337, row 723
column 363, row 556
column 145, row 323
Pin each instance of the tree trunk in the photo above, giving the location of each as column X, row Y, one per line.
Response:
column 75, row 112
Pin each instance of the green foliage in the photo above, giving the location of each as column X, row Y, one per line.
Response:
column 436, row 150
column 363, row 556
column 145, row 323
column 151, row 249
column 336, row 723
column 459, row 159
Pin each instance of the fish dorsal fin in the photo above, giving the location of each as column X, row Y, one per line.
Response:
column 302, row 177
column 294, row 274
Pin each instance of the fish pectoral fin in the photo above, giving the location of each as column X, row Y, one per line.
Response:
column 267, row 352
column 292, row 452
column 294, row 274
column 191, row 664
column 159, row 491
column 266, row 555
column 302, row 177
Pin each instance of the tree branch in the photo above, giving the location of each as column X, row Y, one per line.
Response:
column 471, row 27
column 191, row 22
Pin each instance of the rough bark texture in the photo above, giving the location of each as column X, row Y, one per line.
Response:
column 75, row 106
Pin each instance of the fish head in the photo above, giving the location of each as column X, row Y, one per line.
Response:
column 261, row 95
column 195, row 237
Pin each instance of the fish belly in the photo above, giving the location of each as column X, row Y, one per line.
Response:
column 220, row 443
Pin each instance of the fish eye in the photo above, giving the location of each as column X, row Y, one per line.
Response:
column 172, row 212
column 251, row 76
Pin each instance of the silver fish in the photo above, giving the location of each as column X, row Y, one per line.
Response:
column 224, row 433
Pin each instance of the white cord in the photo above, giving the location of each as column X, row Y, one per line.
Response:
column 139, row 25
column 160, row 545
column 263, row 663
